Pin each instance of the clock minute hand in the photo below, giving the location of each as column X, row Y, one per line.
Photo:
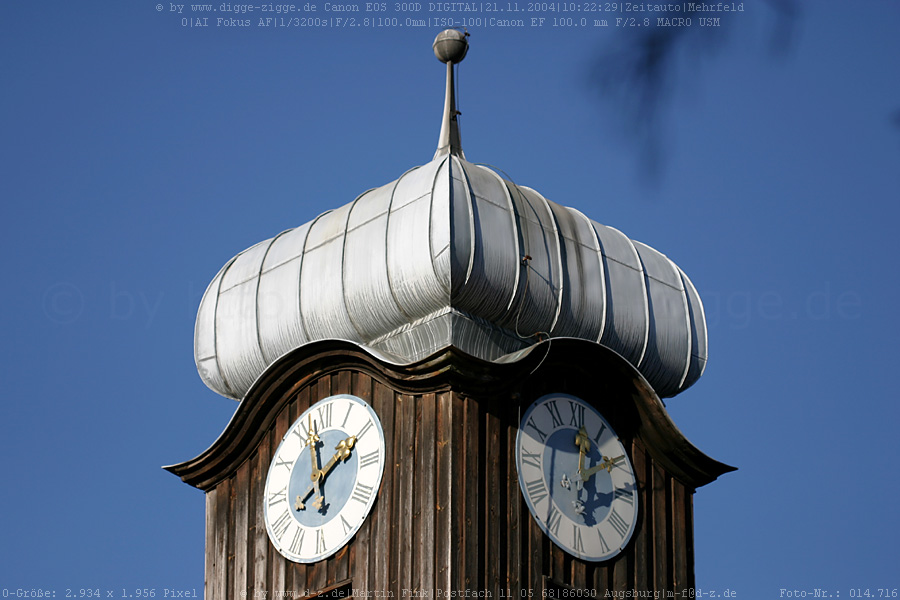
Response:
column 316, row 474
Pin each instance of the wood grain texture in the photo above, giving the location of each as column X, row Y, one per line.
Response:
column 449, row 514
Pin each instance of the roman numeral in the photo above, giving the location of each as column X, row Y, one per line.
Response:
column 531, row 458
column 325, row 415
column 347, row 526
column 618, row 523
column 279, row 462
column 554, row 413
column 623, row 494
column 362, row 492
column 577, row 542
column 368, row 459
column 554, row 518
column 296, row 431
column 281, row 525
column 600, row 433
column 603, row 543
column 320, row 541
column 347, row 416
column 537, row 491
column 535, row 427
column 364, row 430
column 577, row 419
column 276, row 497
column 297, row 541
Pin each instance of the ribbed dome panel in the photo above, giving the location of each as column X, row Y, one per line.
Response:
column 367, row 290
column 279, row 323
column 583, row 302
column 668, row 353
column 412, row 275
column 492, row 264
column 322, row 306
column 626, row 295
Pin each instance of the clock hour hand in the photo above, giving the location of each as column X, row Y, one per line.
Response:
column 584, row 446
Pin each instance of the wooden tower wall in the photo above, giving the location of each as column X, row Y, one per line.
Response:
column 449, row 514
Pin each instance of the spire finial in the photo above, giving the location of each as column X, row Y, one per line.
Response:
column 450, row 47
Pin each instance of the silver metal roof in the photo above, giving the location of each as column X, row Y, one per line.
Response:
column 438, row 258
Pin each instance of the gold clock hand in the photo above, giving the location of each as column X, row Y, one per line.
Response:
column 608, row 464
column 312, row 442
column 584, row 446
column 315, row 474
column 611, row 462
column 299, row 503
column 343, row 453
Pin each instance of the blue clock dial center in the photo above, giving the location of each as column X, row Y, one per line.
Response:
column 336, row 487
column 586, row 502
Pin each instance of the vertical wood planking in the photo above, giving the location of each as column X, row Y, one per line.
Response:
column 690, row 582
column 494, row 509
column 644, row 529
column 661, row 536
column 382, row 516
column 223, row 499
column 404, row 485
column 472, row 492
column 621, row 570
column 425, row 491
column 261, row 546
column 679, row 536
column 209, row 577
column 457, row 482
column 444, row 476
column 516, row 536
column 558, row 563
column 241, row 515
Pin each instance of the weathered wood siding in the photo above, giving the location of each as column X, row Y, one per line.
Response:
column 449, row 514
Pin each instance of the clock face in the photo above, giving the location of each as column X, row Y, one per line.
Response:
column 324, row 478
column 576, row 477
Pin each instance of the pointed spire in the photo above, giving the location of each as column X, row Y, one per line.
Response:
column 450, row 47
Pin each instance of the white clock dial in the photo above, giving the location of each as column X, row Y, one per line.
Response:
column 576, row 477
column 324, row 478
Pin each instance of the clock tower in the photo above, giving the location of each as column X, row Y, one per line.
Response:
column 449, row 387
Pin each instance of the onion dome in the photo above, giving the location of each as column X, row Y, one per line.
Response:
column 450, row 254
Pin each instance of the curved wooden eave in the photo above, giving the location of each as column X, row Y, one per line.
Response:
column 664, row 441
column 449, row 369
column 445, row 370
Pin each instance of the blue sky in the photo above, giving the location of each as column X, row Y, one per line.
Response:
column 137, row 156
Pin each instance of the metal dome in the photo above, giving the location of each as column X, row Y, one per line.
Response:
column 450, row 254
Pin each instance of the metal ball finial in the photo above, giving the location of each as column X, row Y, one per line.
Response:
column 450, row 46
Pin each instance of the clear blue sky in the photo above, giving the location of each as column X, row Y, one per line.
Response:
column 137, row 156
